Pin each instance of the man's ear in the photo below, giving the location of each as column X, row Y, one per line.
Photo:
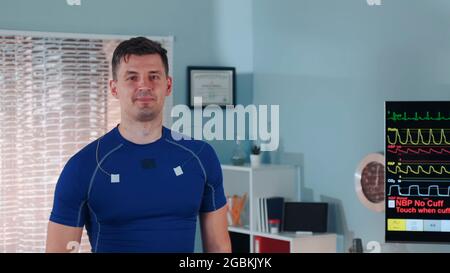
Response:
column 169, row 86
column 113, row 87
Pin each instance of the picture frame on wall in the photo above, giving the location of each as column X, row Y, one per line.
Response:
column 216, row 85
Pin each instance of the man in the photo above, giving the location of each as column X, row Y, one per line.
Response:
column 137, row 189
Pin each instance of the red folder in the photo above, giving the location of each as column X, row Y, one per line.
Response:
column 269, row 245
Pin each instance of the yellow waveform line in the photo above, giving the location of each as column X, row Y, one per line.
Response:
column 421, row 178
column 419, row 170
column 413, row 129
column 419, row 139
column 429, row 163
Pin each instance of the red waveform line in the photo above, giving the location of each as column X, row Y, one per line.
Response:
column 419, row 150
column 426, row 161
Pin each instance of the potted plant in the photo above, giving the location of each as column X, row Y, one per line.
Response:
column 255, row 156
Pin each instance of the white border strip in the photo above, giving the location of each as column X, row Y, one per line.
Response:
column 79, row 35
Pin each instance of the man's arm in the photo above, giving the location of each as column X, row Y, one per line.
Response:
column 59, row 236
column 214, row 228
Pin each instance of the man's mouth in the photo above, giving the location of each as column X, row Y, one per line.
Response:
column 145, row 99
column 144, row 96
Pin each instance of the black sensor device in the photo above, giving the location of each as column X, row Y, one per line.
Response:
column 148, row 163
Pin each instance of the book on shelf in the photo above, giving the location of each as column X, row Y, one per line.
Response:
column 269, row 208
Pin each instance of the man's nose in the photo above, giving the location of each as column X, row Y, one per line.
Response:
column 145, row 83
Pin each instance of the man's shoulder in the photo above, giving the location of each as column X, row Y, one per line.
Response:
column 195, row 145
column 89, row 151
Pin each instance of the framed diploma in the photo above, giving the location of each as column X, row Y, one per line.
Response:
column 215, row 85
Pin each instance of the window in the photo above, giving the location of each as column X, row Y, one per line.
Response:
column 54, row 100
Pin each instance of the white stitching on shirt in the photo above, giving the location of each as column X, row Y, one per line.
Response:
column 213, row 195
column 89, row 192
column 98, row 232
column 98, row 165
column 189, row 150
column 79, row 212
column 201, row 165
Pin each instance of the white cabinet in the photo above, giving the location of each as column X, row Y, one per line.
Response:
column 268, row 181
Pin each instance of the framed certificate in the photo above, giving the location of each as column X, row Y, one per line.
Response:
column 215, row 85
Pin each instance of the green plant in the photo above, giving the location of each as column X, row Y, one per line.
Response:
column 256, row 150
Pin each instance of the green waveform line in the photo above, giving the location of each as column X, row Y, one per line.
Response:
column 394, row 116
column 418, row 170
column 420, row 138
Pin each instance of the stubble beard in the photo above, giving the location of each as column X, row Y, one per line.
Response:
column 146, row 115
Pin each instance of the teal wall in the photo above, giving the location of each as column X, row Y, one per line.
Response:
column 330, row 65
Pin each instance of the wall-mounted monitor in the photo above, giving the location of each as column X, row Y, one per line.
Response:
column 417, row 188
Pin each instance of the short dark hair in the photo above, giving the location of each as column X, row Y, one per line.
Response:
column 138, row 46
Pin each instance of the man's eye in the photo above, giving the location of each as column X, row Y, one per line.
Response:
column 154, row 77
column 132, row 78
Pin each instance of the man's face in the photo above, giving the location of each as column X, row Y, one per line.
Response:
column 141, row 87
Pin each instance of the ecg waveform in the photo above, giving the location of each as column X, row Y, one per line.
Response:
column 399, row 150
column 418, row 170
column 394, row 116
column 416, row 189
column 420, row 139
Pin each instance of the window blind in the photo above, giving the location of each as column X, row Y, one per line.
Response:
column 54, row 100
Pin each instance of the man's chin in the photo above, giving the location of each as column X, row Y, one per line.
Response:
column 146, row 116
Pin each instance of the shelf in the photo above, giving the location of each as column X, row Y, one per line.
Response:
column 284, row 236
column 248, row 167
column 269, row 180
column 297, row 243
column 263, row 181
column 278, row 236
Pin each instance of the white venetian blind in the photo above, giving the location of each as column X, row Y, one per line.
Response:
column 54, row 100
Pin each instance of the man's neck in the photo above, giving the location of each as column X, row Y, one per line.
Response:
column 141, row 132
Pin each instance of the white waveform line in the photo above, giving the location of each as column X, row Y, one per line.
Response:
column 418, row 191
column 423, row 180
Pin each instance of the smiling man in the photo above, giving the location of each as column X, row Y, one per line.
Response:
column 137, row 189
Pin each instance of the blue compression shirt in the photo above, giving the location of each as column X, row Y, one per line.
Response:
column 139, row 198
